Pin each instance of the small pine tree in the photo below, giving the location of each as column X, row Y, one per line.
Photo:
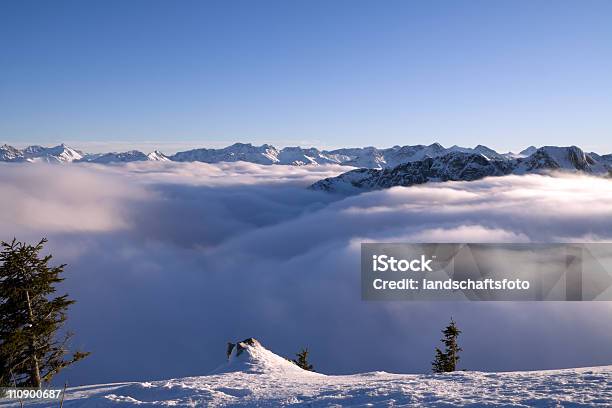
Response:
column 446, row 361
column 440, row 362
column 302, row 360
column 31, row 351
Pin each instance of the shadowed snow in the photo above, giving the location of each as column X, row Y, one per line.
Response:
column 260, row 378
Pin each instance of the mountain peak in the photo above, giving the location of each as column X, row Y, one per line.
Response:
column 156, row 155
column 528, row 151
column 122, row 157
column 480, row 148
column 9, row 153
column 567, row 158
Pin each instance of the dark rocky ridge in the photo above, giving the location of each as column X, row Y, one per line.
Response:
column 459, row 166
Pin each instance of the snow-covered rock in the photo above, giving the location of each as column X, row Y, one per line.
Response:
column 157, row 156
column 10, row 154
column 56, row 154
column 563, row 158
column 528, row 151
column 607, row 159
column 35, row 153
column 298, row 156
column 463, row 166
column 249, row 356
column 361, row 157
column 123, row 157
column 405, row 154
column 452, row 166
column 256, row 377
column 63, row 154
column 529, row 160
column 480, row 149
column 264, row 154
column 365, row 157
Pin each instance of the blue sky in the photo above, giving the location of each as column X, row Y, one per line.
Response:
column 106, row 75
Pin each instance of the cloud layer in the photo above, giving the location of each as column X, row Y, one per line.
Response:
column 168, row 261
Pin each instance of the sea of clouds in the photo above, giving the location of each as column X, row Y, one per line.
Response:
column 169, row 261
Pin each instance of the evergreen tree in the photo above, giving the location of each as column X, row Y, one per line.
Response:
column 31, row 349
column 440, row 362
column 302, row 360
column 446, row 361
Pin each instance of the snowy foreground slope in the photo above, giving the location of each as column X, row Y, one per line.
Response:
column 256, row 377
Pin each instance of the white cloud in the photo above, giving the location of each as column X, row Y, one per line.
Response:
column 47, row 199
column 169, row 260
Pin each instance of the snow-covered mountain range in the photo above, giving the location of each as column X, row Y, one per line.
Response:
column 459, row 165
column 377, row 168
column 256, row 377
column 56, row 154
column 362, row 157
column 64, row 154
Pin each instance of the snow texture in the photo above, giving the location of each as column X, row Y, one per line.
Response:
column 256, row 377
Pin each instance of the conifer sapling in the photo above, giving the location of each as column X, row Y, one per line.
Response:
column 302, row 360
column 446, row 361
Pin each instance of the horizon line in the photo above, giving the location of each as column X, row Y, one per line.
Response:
column 175, row 147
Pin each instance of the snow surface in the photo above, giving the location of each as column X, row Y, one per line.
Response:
column 256, row 377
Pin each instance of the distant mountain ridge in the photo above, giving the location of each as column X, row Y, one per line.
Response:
column 466, row 166
column 35, row 153
column 362, row 157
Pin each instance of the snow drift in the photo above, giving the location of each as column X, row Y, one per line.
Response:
column 256, row 377
column 249, row 356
